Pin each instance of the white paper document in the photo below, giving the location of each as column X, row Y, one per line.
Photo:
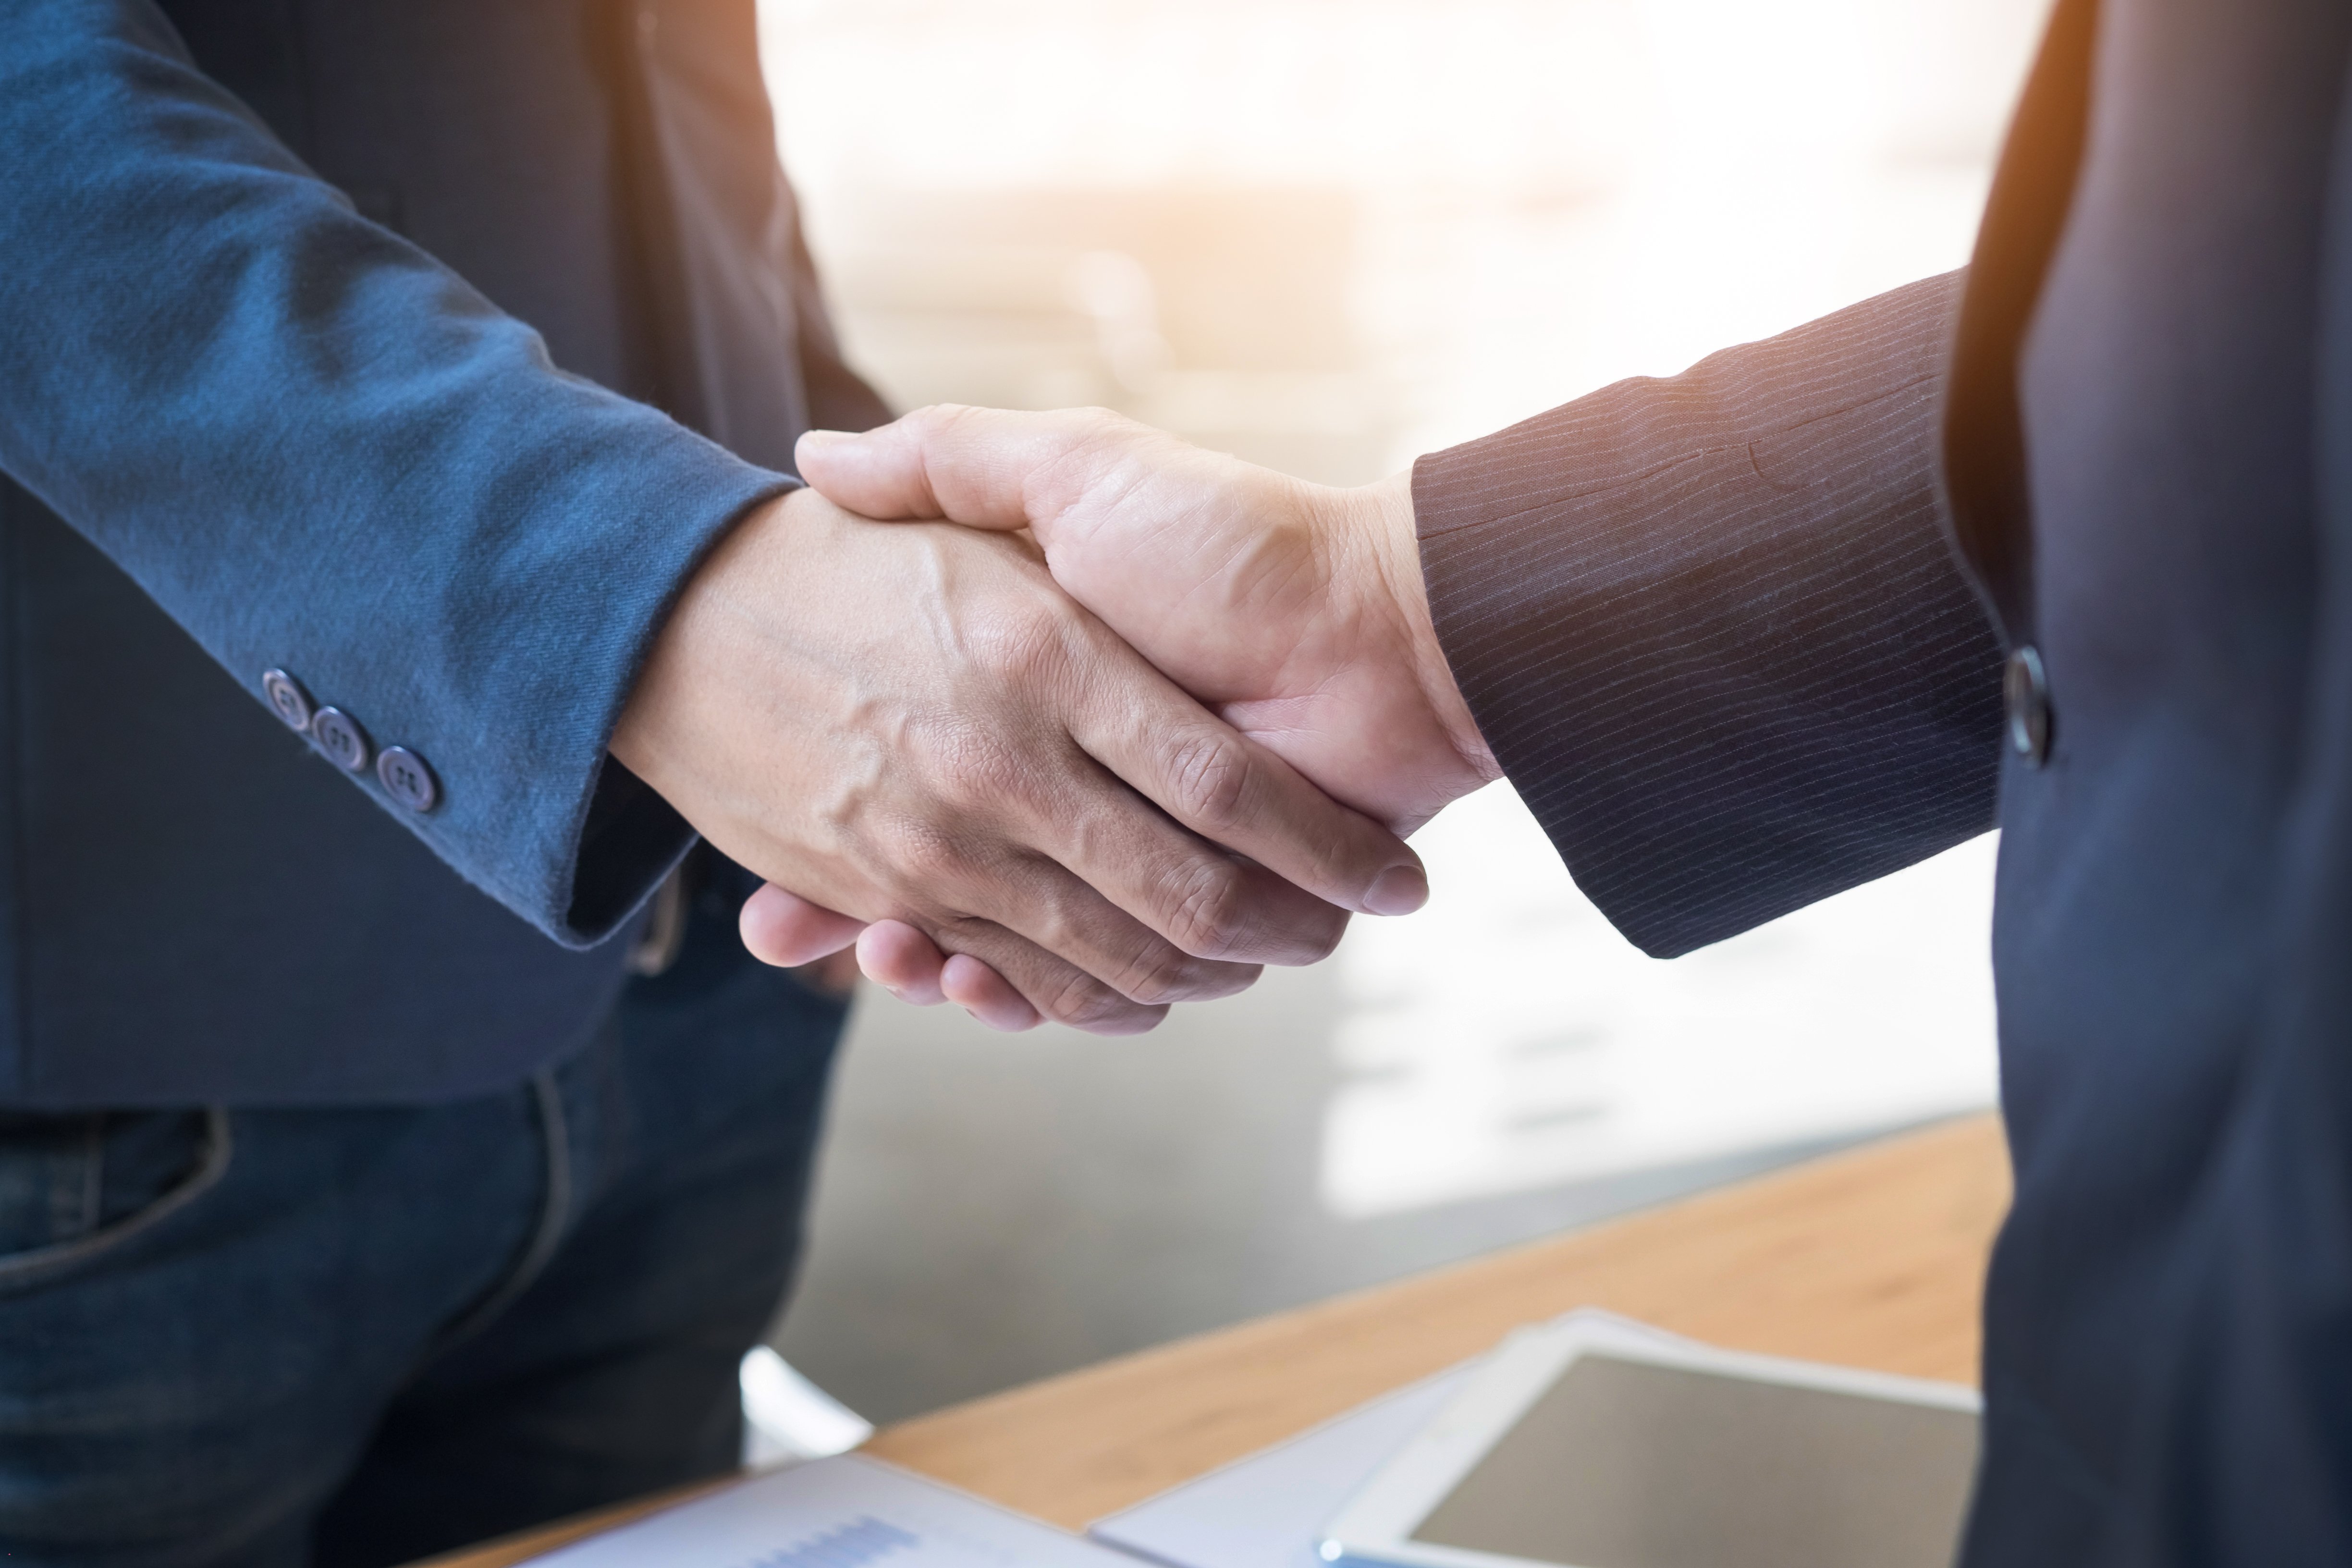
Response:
column 1268, row 1510
column 844, row 1512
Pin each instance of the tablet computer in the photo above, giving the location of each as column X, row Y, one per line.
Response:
column 1588, row 1444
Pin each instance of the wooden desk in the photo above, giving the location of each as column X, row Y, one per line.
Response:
column 1872, row 1258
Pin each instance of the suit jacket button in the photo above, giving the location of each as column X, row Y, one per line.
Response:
column 2025, row 689
column 286, row 699
column 407, row 779
column 340, row 736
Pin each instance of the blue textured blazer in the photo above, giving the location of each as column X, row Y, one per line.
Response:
column 416, row 349
column 1718, row 633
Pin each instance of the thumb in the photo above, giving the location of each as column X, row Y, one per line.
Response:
column 986, row 468
column 878, row 474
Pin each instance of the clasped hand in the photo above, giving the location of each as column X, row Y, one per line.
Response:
column 1190, row 751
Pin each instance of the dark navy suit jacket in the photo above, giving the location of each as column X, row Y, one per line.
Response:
column 418, row 348
column 1718, row 635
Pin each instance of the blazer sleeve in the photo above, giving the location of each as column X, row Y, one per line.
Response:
column 320, row 451
column 1713, row 630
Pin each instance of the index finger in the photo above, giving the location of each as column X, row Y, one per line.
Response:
column 1232, row 791
column 983, row 468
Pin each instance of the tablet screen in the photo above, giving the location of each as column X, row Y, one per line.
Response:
column 1628, row 1464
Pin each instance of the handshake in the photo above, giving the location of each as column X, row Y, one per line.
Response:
column 1054, row 716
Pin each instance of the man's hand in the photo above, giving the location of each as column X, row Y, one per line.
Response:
column 914, row 726
column 1295, row 610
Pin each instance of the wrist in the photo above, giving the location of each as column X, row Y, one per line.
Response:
column 1382, row 564
column 657, row 719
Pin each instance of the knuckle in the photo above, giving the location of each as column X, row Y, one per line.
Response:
column 977, row 775
column 1160, row 974
column 1212, row 913
column 936, row 418
column 1026, row 646
column 980, row 775
column 1081, row 1002
column 1211, row 779
column 1099, row 429
column 923, row 857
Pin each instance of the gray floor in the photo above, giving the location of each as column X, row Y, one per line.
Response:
column 996, row 1208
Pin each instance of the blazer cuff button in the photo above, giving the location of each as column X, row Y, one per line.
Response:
column 407, row 777
column 340, row 736
column 2025, row 691
column 286, row 699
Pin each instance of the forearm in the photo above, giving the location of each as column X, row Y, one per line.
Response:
column 1712, row 629
column 320, row 451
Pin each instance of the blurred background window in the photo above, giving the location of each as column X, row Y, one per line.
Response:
column 1329, row 235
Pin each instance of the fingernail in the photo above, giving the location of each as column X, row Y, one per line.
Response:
column 1398, row 890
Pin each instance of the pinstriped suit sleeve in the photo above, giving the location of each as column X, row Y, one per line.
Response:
column 1713, row 631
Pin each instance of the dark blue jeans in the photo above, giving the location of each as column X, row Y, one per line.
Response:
column 355, row 1337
